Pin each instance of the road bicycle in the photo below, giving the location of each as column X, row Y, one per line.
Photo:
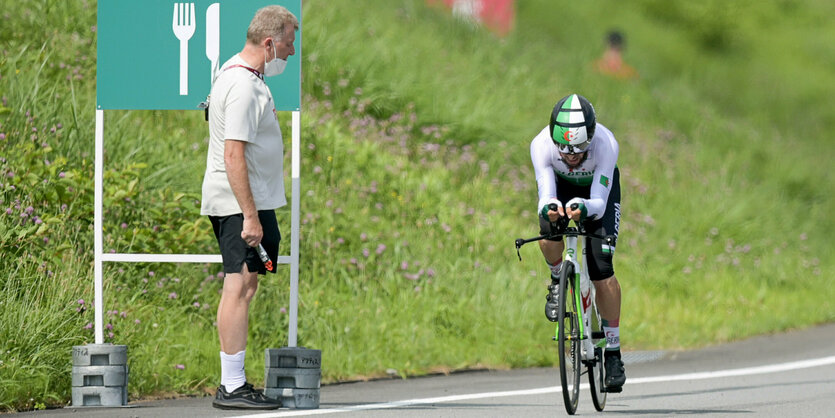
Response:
column 579, row 332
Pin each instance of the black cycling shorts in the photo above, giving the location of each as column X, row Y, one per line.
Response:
column 235, row 250
column 601, row 262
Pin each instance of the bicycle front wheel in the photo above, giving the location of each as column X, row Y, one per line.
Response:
column 568, row 338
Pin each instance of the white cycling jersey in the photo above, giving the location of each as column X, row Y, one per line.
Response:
column 595, row 171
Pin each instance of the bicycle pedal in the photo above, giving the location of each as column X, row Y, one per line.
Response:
column 618, row 389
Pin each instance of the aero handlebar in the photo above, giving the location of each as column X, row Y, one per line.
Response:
column 560, row 228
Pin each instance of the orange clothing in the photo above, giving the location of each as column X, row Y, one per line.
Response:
column 611, row 64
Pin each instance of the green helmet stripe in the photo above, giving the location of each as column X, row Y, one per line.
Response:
column 559, row 134
column 572, row 103
column 571, row 112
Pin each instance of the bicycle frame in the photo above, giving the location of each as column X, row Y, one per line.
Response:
column 574, row 247
column 582, row 281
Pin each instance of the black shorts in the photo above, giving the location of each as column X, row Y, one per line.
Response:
column 600, row 263
column 235, row 250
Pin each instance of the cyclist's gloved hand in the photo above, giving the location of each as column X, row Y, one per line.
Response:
column 579, row 214
column 548, row 213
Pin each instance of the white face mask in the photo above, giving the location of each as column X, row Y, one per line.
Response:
column 274, row 67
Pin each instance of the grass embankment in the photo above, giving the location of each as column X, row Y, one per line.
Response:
column 416, row 179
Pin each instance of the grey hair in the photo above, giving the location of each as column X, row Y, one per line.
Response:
column 270, row 21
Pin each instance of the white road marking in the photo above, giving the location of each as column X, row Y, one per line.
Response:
column 774, row 368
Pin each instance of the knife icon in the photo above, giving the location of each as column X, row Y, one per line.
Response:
column 213, row 37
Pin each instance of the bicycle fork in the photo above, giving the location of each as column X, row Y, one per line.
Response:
column 584, row 323
column 583, row 299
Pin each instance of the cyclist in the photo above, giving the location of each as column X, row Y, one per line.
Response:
column 574, row 159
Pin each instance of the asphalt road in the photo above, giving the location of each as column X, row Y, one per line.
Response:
column 785, row 375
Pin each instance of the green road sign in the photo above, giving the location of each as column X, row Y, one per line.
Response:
column 160, row 54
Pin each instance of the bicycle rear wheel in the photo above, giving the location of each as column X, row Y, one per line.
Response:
column 568, row 338
column 595, row 367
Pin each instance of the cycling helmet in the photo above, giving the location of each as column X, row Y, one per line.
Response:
column 572, row 124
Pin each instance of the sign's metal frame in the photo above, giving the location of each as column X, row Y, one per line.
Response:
column 101, row 257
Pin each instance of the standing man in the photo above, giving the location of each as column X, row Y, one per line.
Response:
column 243, row 186
column 574, row 159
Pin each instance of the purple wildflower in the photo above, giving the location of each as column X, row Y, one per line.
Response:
column 172, row 295
column 180, row 367
column 89, row 325
column 381, row 248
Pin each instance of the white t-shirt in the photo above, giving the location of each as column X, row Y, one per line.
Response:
column 242, row 109
column 595, row 171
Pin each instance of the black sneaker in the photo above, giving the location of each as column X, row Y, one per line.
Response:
column 615, row 374
column 552, row 301
column 244, row 397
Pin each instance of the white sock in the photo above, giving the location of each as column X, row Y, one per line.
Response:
column 612, row 337
column 555, row 268
column 232, row 370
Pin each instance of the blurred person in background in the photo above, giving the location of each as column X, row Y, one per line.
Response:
column 611, row 63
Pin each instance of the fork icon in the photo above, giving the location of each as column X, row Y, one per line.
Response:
column 183, row 27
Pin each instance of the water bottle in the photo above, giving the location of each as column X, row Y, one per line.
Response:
column 586, row 295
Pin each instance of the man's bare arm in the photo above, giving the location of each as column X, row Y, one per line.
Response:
column 236, row 172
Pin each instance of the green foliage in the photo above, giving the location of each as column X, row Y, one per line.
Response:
column 415, row 180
